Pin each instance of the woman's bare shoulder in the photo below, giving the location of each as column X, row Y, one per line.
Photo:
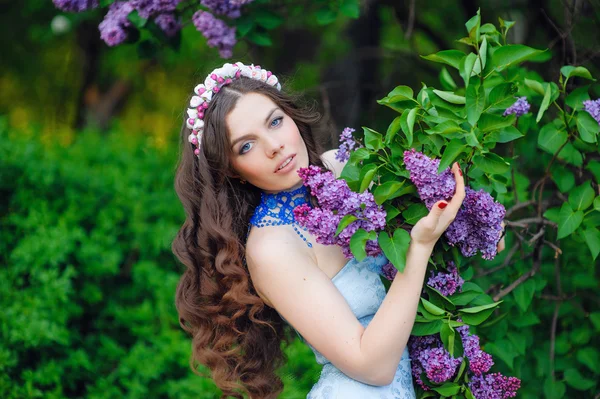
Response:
column 328, row 158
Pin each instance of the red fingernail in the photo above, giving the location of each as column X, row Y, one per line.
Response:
column 460, row 171
column 442, row 205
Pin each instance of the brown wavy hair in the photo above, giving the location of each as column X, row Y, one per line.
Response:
column 233, row 333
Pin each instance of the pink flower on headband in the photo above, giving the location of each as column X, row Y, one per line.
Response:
column 212, row 85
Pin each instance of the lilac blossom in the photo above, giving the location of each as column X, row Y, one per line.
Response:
column 228, row 8
column 168, row 23
column 438, row 365
column 149, row 8
column 446, row 283
column 113, row 27
column 593, row 108
column 494, row 386
column 389, row 271
column 347, row 145
column 477, row 226
column 519, row 108
column 75, row 5
column 423, row 173
column 216, row 32
column 479, row 361
column 336, row 200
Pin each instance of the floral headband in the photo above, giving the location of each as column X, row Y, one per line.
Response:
column 212, row 85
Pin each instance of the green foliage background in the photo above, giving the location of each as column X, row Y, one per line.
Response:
column 88, row 212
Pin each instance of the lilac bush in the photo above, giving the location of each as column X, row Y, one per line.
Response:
column 75, row 5
column 479, row 361
column 347, row 144
column 216, row 32
column 494, row 386
column 446, row 283
column 477, row 226
column 113, row 29
column 336, row 200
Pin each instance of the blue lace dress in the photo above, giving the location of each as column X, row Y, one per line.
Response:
column 360, row 285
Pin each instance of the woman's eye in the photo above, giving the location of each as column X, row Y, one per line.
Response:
column 245, row 148
column 276, row 122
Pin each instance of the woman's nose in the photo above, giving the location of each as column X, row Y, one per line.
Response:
column 273, row 147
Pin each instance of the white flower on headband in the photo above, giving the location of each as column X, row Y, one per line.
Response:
column 212, row 84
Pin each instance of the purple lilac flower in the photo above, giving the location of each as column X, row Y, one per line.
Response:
column 149, row 8
column 477, row 225
column 446, row 283
column 423, row 173
column 593, row 108
column 520, row 107
column 347, row 144
column 75, row 5
column 168, row 23
column 479, row 361
column 494, row 386
column 216, row 32
column 438, row 365
column 113, row 27
column 389, row 271
column 336, row 200
column 228, row 8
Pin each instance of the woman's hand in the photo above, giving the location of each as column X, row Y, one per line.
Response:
column 430, row 228
column 501, row 244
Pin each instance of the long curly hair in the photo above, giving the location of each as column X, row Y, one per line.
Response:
column 233, row 333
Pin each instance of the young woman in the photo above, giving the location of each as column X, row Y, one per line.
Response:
column 251, row 268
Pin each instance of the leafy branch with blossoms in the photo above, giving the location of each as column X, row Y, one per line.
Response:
column 398, row 175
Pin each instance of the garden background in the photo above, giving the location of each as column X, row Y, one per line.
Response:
column 88, row 212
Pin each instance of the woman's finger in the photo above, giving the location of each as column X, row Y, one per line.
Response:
column 459, row 193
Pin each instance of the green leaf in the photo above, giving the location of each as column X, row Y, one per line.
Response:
column 595, row 319
column 358, row 242
column 545, row 103
column 450, row 97
column 563, row 177
column 524, row 294
column 568, row 220
column 576, row 98
column 449, row 57
column 481, row 58
column 478, row 309
column 351, row 173
column 592, row 239
column 582, row 196
column 135, row 18
column 446, row 127
column 473, row 26
column 513, row 54
column 387, row 190
column 466, row 67
column 366, row 176
column 395, row 248
column 360, row 154
column 394, row 128
column 448, row 389
column 414, row 213
column 350, row 8
column 588, row 356
column 421, row 329
column 325, row 16
column 267, row 19
column 464, row 298
column 535, row 86
column 453, row 150
column 503, row 349
column 588, row 127
column 502, row 96
column 569, row 70
column 551, row 138
column 401, row 93
column 407, row 123
column 594, row 167
column 488, row 122
column 577, row 381
column 491, row 163
column 475, row 103
column 554, row 389
column 448, row 335
column 431, row 308
column 447, row 80
column 373, row 139
column 345, row 222
column 505, row 135
column 106, row 3
column 597, row 203
column 260, row 38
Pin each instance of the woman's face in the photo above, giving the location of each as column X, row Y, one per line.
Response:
column 266, row 144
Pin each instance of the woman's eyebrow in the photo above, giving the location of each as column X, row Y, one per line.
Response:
column 270, row 113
